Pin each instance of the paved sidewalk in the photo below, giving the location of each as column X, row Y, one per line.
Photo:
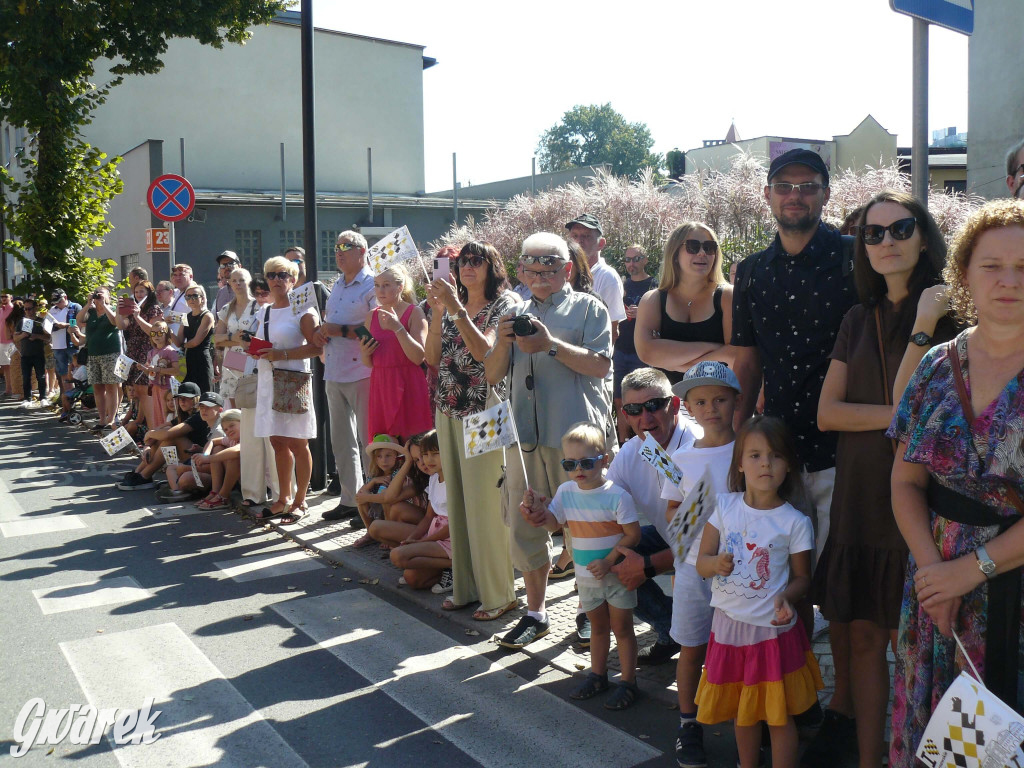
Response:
column 372, row 567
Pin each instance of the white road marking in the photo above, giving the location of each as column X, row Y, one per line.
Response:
column 90, row 594
column 268, row 566
column 204, row 720
column 30, row 527
column 496, row 717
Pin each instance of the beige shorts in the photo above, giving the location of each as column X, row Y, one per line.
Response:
column 530, row 547
column 593, row 594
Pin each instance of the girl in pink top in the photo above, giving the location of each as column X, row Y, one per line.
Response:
column 399, row 403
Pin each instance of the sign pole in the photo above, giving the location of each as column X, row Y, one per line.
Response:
column 919, row 134
column 170, row 242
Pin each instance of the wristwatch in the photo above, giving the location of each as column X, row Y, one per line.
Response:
column 554, row 350
column 649, row 571
column 921, row 338
column 462, row 314
column 985, row 563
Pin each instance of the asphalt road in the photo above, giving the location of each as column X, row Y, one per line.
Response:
column 255, row 651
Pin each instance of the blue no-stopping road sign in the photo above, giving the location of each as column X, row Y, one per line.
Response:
column 171, row 197
column 957, row 15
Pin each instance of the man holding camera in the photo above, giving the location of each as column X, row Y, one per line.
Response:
column 556, row 354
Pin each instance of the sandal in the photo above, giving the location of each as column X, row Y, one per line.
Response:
column 483, row 614
column 592, row 685
column 209, row 498
column 249, row 503
column 624, row 697
column 268, row 513
column 362, row 541
column 449, row 605
column 294, row 514
column 217, row 502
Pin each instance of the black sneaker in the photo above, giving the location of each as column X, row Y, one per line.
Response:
column 340, row 512
column 445, row 584
column 690, row 746
column 656, row 654
column 836, row 738
column 583, row 630
column 136, row 483
column 525, row 632
column 808, row 723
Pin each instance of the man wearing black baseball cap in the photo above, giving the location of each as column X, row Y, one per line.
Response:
column 788, row 304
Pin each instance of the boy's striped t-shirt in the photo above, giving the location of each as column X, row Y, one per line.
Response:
column 594, row 519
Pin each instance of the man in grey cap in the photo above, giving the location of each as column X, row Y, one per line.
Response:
column 226, row 263
column 585, row 231
column 788, row 304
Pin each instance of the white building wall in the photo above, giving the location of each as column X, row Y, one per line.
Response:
column 234, row 106
column 995, row 105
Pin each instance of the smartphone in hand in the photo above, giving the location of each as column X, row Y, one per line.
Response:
column 442, row 268
column 362, row 333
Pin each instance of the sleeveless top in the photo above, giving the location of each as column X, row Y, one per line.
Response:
column 703, row 330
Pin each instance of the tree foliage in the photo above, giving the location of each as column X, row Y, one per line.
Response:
column 592, row 135
column 48, row 50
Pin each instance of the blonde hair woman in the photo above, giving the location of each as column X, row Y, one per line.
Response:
column 195, row 336
column 234, row 318
column 293, row 339
column 689, row 317
column 399, row 402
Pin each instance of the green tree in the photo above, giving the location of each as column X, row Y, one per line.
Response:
column 48, row 50
column 590, row 135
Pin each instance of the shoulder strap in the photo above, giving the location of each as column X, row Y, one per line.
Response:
column 744, row 282
column 847, row 248
column 266, row 324
column 716, row 300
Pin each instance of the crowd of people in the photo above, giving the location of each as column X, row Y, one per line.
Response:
column 855, row 400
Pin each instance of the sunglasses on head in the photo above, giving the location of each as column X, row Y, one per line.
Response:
column 693, row 247
column 278, row 275
column 806, row 189
column 902, row 229
column 653, row 405
column 588, row 463
column 548, row 260
column 471, row 261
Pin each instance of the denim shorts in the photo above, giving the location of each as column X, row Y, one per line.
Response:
column 62, row 358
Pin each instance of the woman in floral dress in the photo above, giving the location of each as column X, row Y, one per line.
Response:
column 956, row 491
column 463, row 323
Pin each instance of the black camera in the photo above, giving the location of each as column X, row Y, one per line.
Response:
column 523, row 325
column 245, row 336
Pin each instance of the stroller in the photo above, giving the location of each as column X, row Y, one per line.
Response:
column 80, row 396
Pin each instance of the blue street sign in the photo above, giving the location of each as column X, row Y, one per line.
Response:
column 957, row 15
column 170, row 197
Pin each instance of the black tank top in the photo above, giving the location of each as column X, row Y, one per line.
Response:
column 704, row 330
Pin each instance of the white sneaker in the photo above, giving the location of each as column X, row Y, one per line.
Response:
column 31, row 405
column 445, row 584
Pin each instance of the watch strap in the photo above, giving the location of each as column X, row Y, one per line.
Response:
column 985, row 563
column 649, row 570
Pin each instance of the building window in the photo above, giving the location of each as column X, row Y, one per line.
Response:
column 328, row 237
column 128, row 262
column 249, row 247
column 956, row 185
column 290, row 238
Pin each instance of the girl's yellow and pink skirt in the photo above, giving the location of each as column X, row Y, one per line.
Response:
column 756, row 673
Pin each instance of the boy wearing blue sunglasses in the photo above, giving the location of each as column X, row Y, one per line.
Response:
column 599, row 516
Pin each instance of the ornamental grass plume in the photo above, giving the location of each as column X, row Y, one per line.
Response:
column 639, row 211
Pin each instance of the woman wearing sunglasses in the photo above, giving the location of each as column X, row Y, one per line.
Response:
column 195, row 336
column 463, row 322
column 293, row 337
column 689, row 317
column 136, row 326
column 858, row 582
column 234, row 318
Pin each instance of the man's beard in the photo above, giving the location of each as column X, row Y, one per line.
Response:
column 802, row 225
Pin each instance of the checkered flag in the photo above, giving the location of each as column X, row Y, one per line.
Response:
column 391, row 249
column 972, row 728
column 691, row 515
column 489, row 430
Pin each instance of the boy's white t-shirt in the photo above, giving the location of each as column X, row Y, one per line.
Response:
column 692, row 462
column 761, row 541
column 437, row 495
column 594, row 518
